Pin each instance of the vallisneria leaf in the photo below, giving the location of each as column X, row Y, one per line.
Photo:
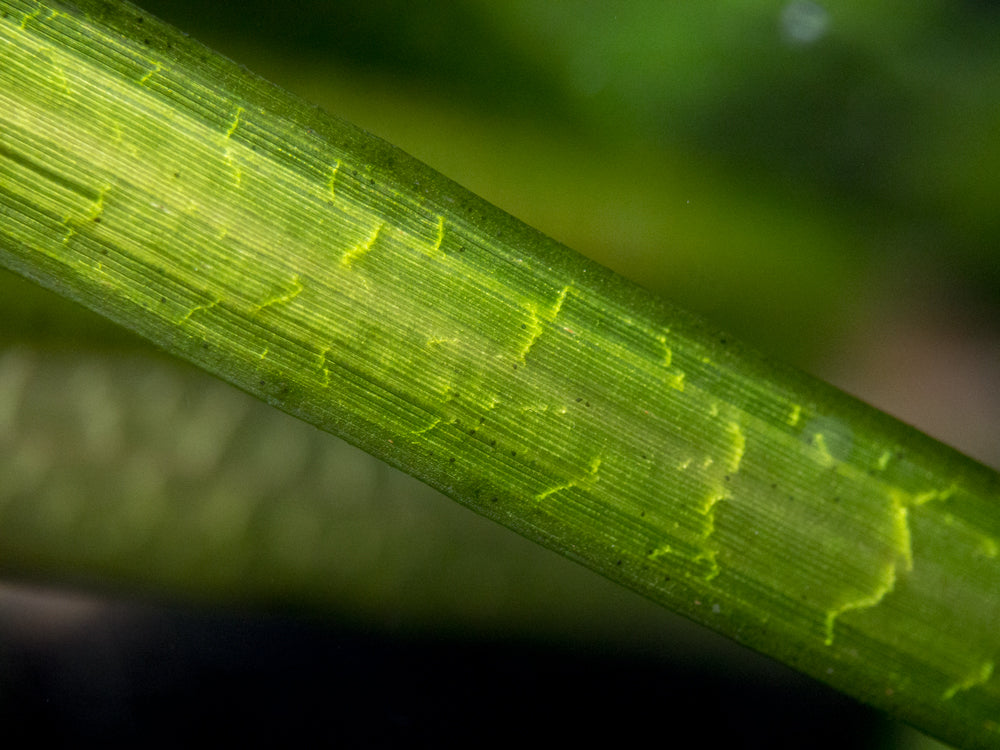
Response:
column 330, row 274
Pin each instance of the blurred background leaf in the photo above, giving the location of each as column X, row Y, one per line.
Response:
column 819, row 178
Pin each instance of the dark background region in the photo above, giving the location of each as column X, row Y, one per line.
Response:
column 161, row 677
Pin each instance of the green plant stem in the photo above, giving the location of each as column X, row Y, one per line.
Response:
column 335, row 277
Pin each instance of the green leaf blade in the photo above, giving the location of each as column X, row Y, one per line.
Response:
column 333, row 276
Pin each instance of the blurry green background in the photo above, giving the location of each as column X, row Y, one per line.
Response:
column 821, row 179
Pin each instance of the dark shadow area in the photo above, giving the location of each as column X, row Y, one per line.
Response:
column 160, row 676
